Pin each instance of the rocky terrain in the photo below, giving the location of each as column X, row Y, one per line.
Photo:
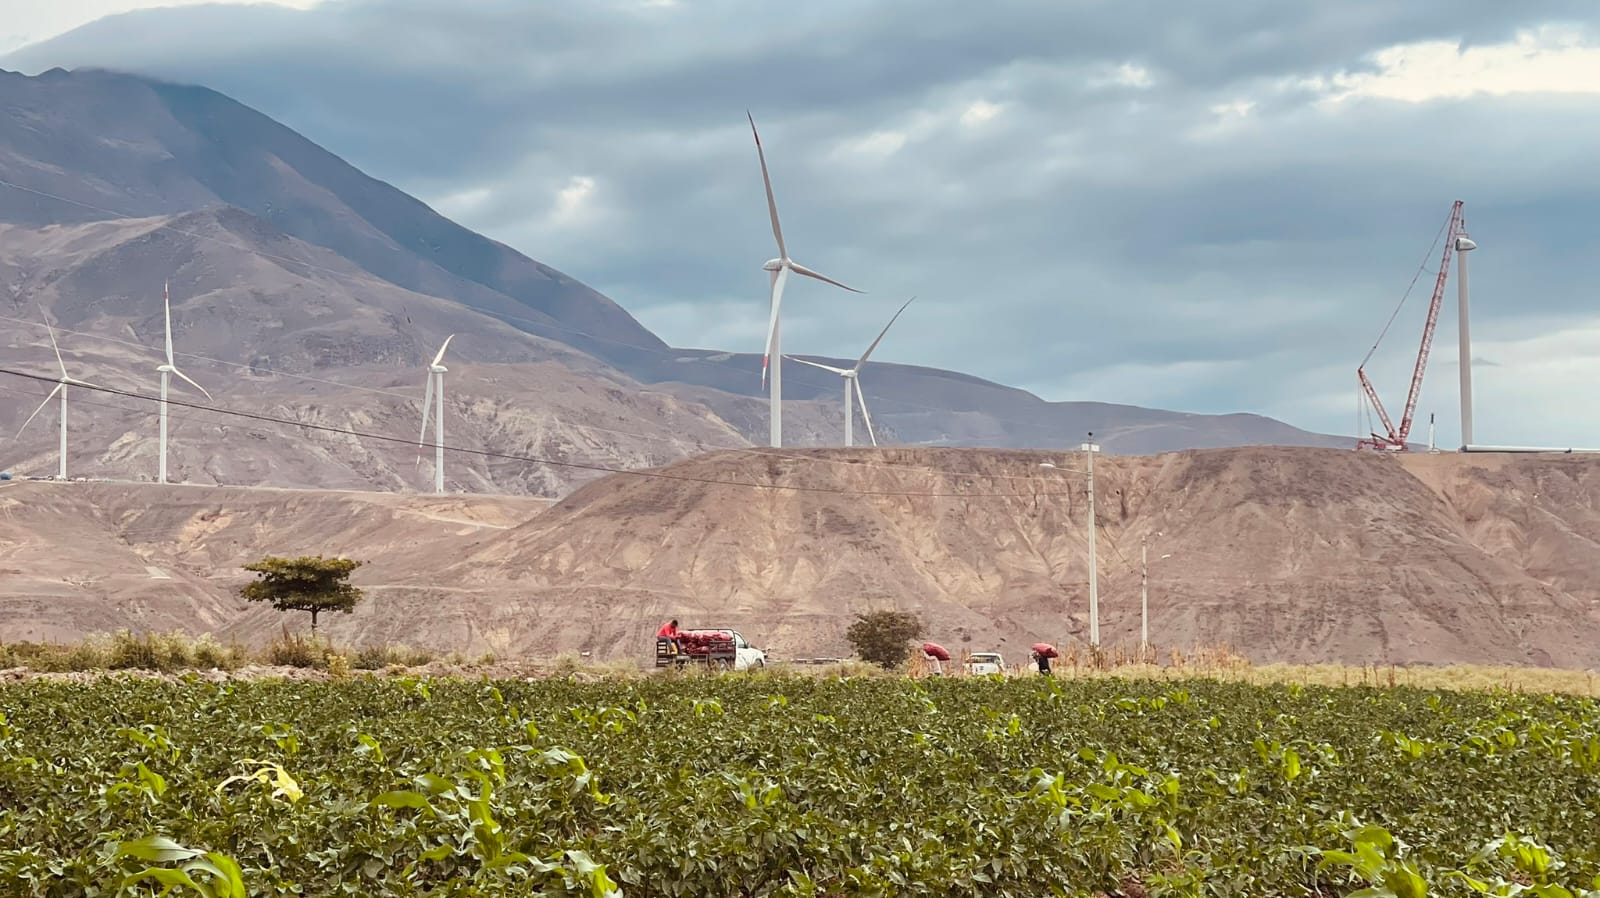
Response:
column 1297, row 555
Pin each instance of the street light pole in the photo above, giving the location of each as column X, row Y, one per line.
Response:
column 1094, row 587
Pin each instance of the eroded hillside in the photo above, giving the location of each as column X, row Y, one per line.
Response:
column 1284, row 554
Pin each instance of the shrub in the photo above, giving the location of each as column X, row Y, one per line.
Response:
column 884, row 638
column 150, row 651
column 210, row 654
column 297, row 651
column 378, row 657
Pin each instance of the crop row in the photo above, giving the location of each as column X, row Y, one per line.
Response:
column 760, row 785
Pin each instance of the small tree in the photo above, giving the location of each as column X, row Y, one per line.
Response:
column 308, row 583
column 884, row 637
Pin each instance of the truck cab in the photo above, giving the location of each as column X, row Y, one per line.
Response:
column 746, row 656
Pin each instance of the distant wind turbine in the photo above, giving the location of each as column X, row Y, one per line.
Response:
column 61, row 388
column 436, row 372
column 852, row 382
column 778, row 271
column 167, row 370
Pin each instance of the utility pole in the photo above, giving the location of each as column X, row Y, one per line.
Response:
column 1094, row 565
column 1144, row 598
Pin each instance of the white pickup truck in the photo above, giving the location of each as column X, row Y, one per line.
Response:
column 981, row 663
column 717, row 647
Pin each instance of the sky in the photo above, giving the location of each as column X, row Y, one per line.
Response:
column 1206, row 207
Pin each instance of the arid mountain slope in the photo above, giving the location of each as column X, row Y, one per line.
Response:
column 1294, row 555
column 1285, row 554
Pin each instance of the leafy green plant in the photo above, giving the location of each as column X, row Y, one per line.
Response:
column 788, row 786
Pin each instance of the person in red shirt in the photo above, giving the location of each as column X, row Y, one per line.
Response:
column 669, row 630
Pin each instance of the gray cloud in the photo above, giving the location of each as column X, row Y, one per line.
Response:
column 1096, row 234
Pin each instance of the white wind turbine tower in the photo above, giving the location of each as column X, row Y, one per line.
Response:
column 167, row 370
column 852, row 383
column 436, row 372
column 61, row 388
column 778, row 270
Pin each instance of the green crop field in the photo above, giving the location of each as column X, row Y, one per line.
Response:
column 706, row 786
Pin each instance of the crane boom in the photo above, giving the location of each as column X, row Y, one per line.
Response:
column 1395, row 438
column 1451, row 233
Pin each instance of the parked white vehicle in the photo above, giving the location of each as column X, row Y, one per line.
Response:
column 981, row 663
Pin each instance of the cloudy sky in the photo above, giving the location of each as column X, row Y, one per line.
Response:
column 1204, row 206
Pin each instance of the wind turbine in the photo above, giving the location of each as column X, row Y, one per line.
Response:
column 436, row 371
column 167, row 370
column 61, row 388
column 778, row 271
column 852, row 382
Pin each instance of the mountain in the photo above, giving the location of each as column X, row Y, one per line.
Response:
column 1296, row 555
column 290, row 265
column 95, row 145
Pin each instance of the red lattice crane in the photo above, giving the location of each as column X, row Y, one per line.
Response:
column 1394, row 439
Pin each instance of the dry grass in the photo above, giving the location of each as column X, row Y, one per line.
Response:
column 1222, row 663
column 168, row 652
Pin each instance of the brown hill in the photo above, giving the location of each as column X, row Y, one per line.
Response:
column 1293, row 555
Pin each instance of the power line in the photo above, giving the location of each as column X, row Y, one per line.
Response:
column 306, row 377
column 702, row 444
column 551, row 324
column 199, row 419
column 750, row 450
column 531, row 459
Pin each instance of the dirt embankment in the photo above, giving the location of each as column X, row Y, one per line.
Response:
column 1295, row 555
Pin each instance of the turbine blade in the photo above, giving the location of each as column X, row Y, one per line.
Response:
column 801, row 269
column 766, row 180
column 780, row 278
column 53, row 345
column 166, row 305
column 192, row 383
column 427, row 403
column 863, row 360
column 861, row 401
column 80, row 383
column 440, row 357
column 38, row 410
column 839, row 371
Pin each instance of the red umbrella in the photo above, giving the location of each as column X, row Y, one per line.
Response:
column 1045, row 649
column 935, row 650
